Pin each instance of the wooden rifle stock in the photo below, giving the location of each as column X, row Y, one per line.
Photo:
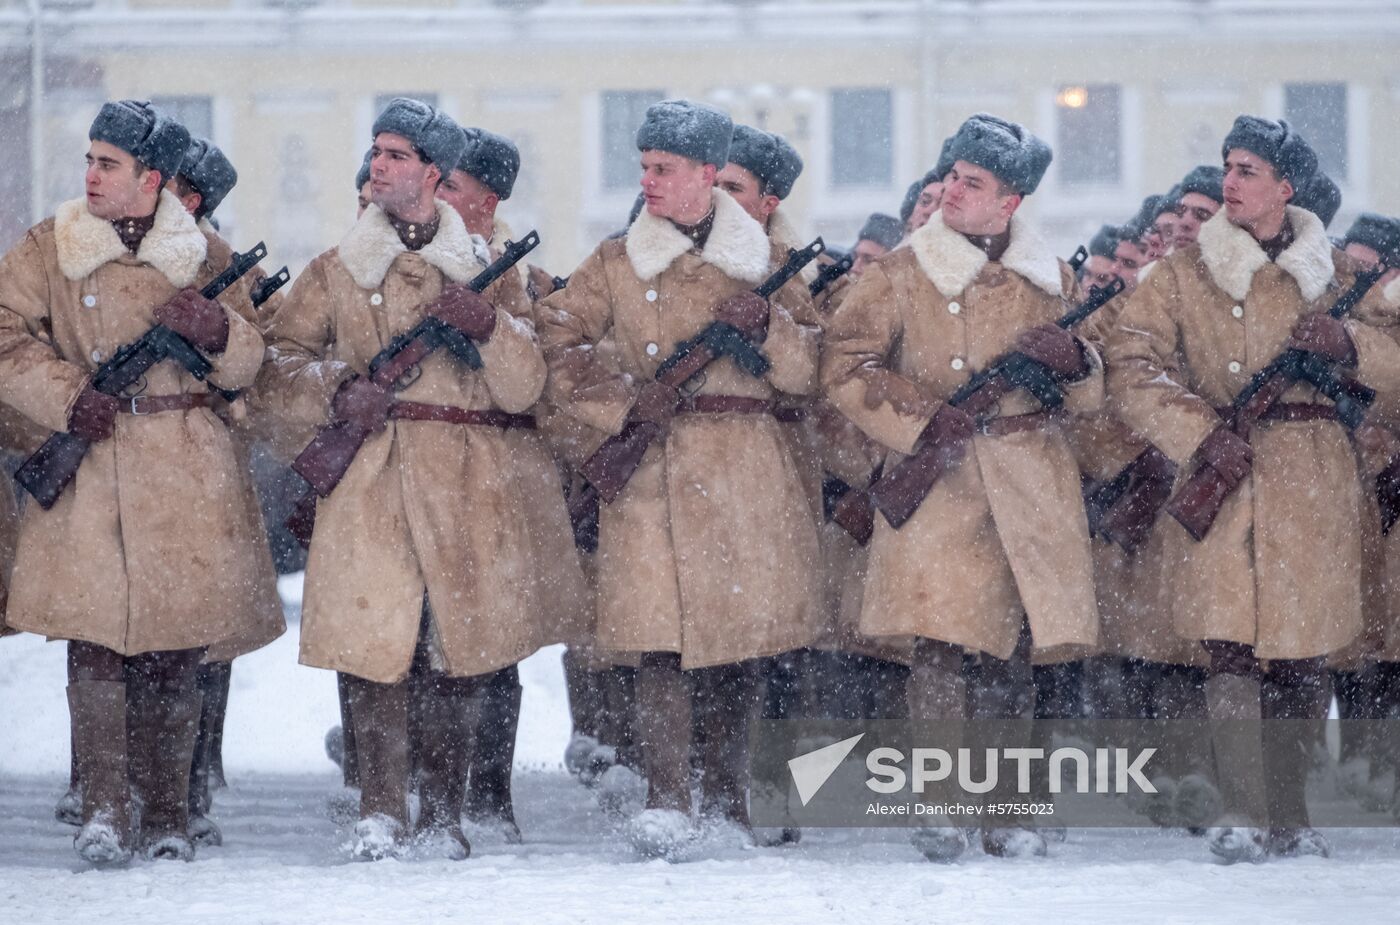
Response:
column 900, row 491
column 611, row 467
column 1198, row 502
column 326, row 459
column 47, row 472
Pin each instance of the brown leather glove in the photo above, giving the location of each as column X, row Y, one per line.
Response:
column 469, row 312
column 361, row 403
column 1324, row 335
column 1225, row 452
column 93, row 415
column 1056, row 349
column 198, row 320
column 656, row 404
column 747, row 311
column 949, row 425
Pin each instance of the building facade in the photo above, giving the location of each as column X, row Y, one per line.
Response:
column 1130, row 94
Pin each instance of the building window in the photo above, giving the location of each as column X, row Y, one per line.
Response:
column 1318, row 112
column 862, row 137
column 1088, row 134
column 622, row 114
column 195, row 113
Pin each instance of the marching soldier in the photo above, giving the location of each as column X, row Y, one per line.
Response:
column 878, row 236
column 485, row 177
column 1199, row 198
column 205, row 178
column 1275, row 585
column 423, row 573
column 144, row 561
column 705, row 558
column 995, row 561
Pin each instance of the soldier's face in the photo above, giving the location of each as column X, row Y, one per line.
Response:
column 116, row 186
column 863, row 255
column 190, row 200
column 747, row 191
column 1099, row 272
column 676, row 187
column 927, row 204
column 469, row 197
column 1128, row 258
column 1254, row 192
column 398, row 177
column 975, row 201
column 1195, row 211
column 1153, row 243
column 1165, row 226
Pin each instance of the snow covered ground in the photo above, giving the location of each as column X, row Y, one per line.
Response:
column 283, row 861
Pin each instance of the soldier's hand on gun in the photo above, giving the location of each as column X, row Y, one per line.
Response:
column 655, row 404
column 1225, row 452
column 467, row 311
column 198, row 320
column 747, row 311
column 93, row 415
column 1324, row 335
column 363, row 404
column 1055, row 348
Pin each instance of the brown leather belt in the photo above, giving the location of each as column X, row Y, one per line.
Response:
column 726, row 404
column 154, row 404
column 1290, row 412
column 447, row 414
column 1016, row 423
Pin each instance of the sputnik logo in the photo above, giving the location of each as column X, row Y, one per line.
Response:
column 812, row 770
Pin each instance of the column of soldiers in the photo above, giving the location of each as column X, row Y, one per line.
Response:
column 721, row 576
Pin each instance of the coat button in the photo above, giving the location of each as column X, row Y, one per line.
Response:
column 1237, row 311
column 954, row 308
column 957, row 363
column 376, row 299
column 1235, row 366
column 653, row 350
column 89, row 300
column 651, row 295
column 97, row 356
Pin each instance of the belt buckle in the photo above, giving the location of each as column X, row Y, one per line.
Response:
column 984, row 425
column 134, row 406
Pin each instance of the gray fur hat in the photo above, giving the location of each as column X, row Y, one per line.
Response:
column 1137, row 226
column 1105, row 242
column 1320, row 196
column 694, row 130
column 1204, row 180
column 911, row 200
column 439, row 139
column 767, row 156
column 493, row 159
column 1275, row 142
column 1381, row 233
column 1018, row 158
column 945, row 162
column 144, row 132
column 209, row 171
column 885, row 230
column 362, row 175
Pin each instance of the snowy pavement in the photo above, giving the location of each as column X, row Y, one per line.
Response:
column 283, row 861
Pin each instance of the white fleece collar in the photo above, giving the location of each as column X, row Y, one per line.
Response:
column 737, row 244
column 1391, row 293
column 782, row 233
column 175, row 246
column 952, row 262
column 372, row 245
column 1232, row 256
